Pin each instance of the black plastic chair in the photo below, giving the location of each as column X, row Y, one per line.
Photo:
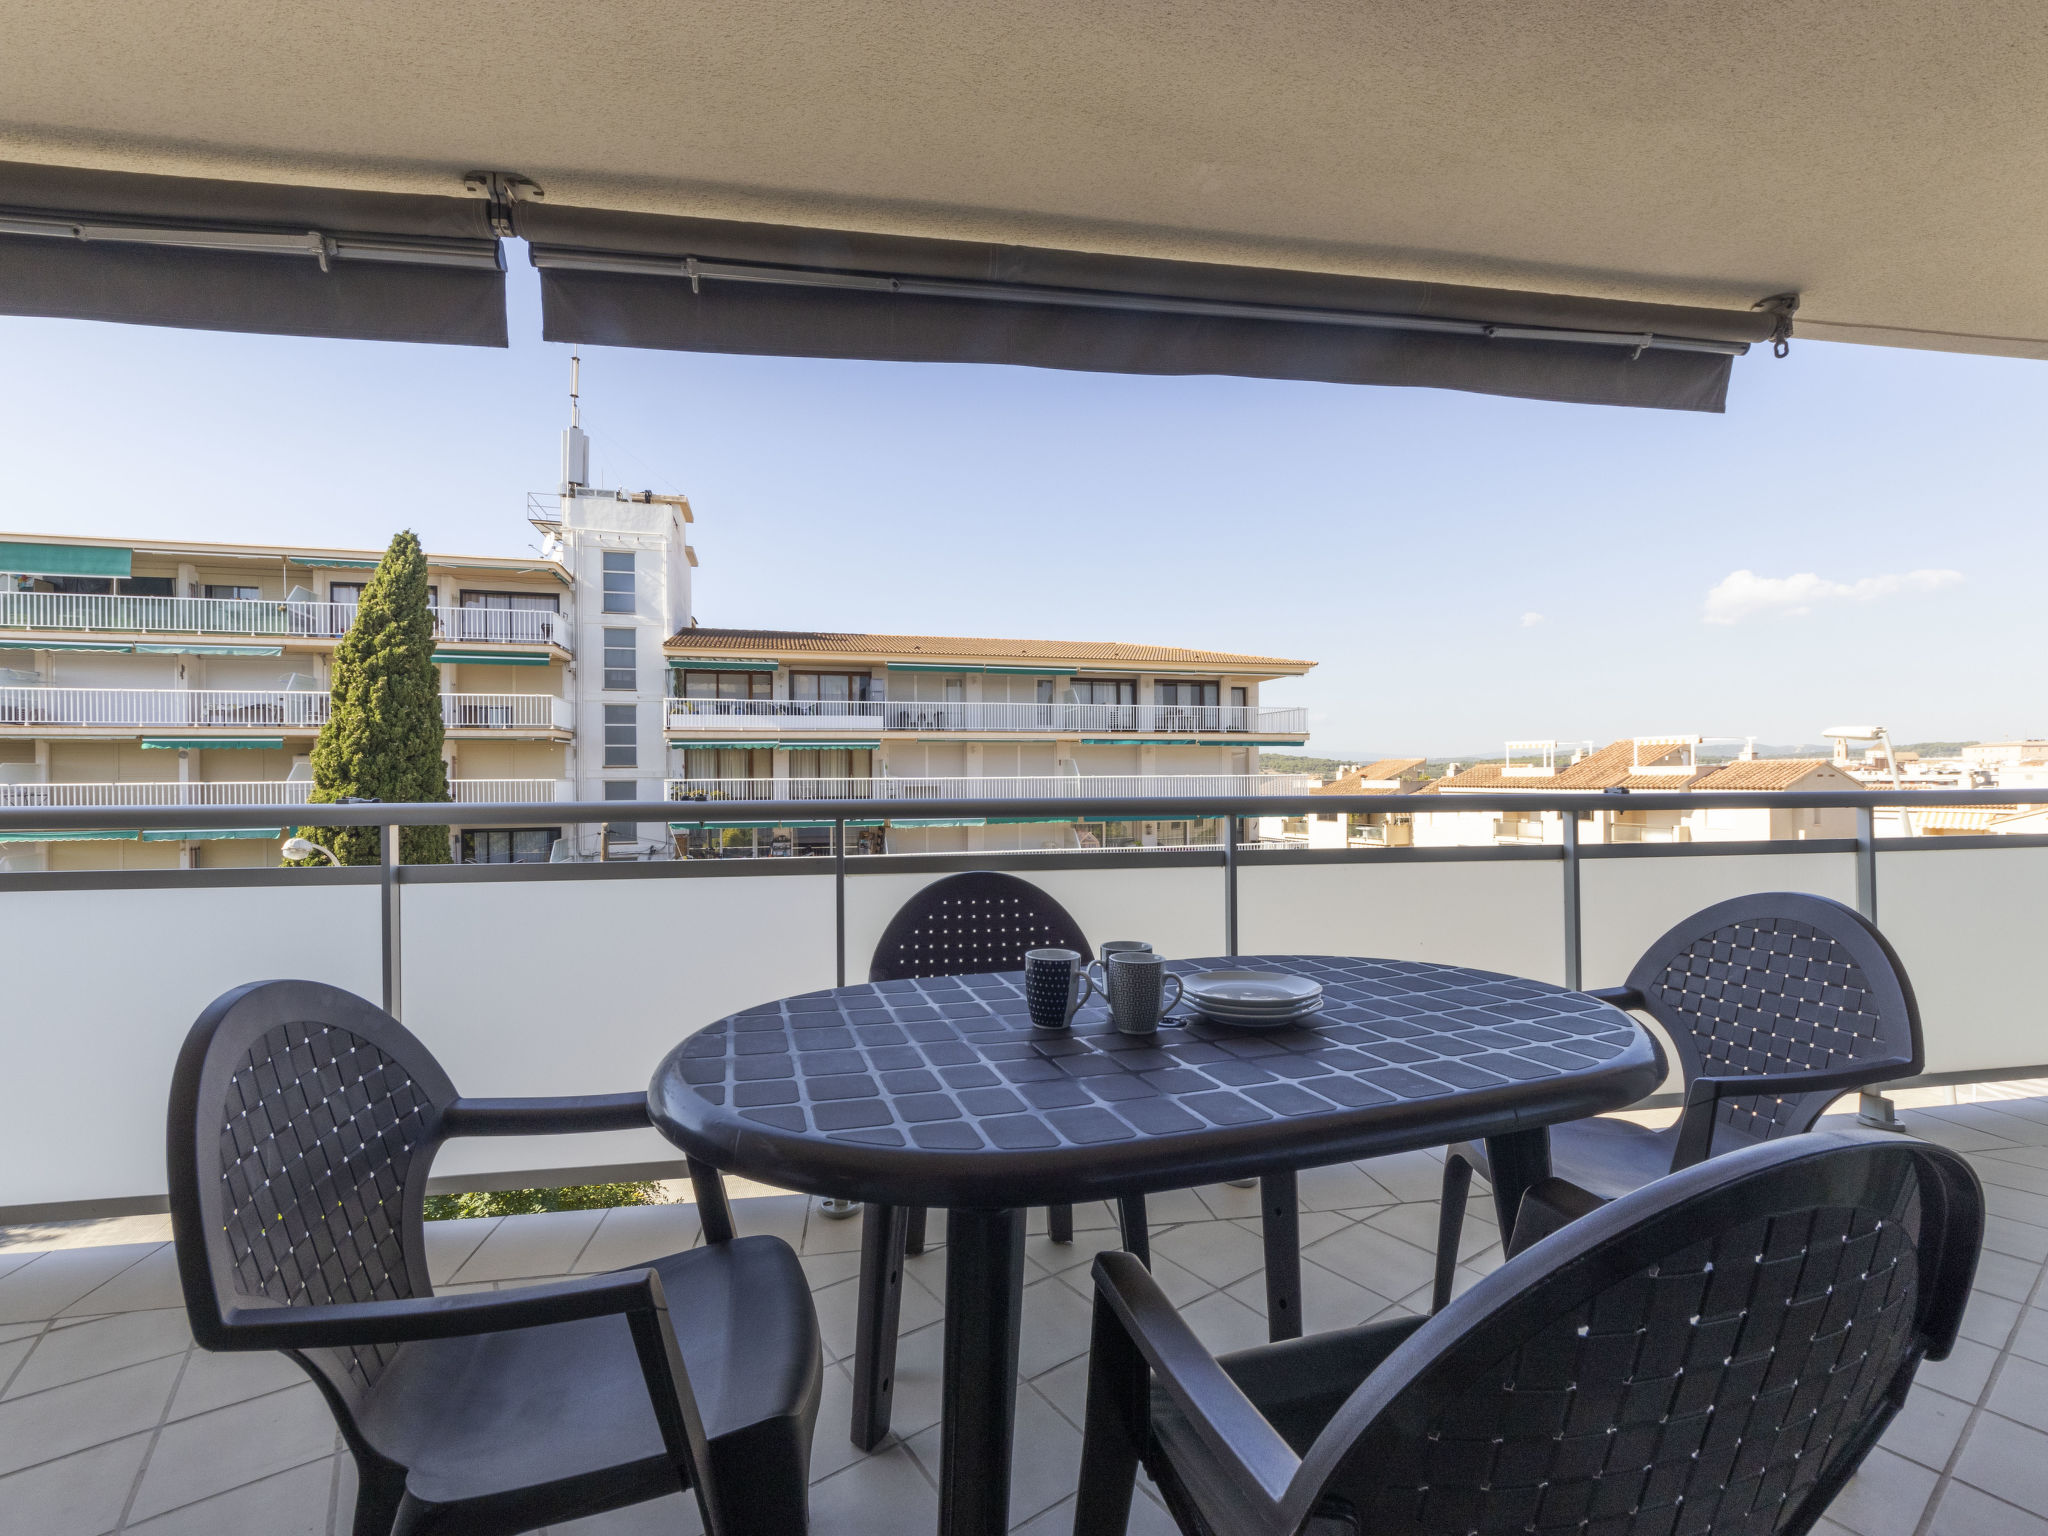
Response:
column 962, row 925
column 303, row 1121
column 1714, row 1354
column 1777, row 1003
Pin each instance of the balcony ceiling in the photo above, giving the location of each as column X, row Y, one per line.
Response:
column 1885, row 161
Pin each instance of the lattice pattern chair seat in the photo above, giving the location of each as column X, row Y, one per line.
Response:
column 1791, row 993
column 1715, row 1353
column 303, row 1122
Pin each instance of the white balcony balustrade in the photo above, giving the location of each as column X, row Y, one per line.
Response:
column 253, row 709
column 256, row 792
column 771, row 715
column 106, row 613
column 1021, row 787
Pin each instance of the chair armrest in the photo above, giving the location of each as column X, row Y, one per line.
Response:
column 1619, row 997
column 1249, row 1457
column 546, row 1117
column 356, row 1324
column 1704, row 1094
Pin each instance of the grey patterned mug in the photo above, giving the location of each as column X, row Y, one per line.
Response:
column 1055, row 986
column 1137, row 991
column 1099, row 971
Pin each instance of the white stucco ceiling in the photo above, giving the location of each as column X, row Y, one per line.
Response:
column 1887, row 160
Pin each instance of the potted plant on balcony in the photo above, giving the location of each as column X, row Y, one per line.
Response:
column 383, row 738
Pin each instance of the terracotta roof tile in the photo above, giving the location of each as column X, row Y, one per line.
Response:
column 804, row 642
column 1767, row 773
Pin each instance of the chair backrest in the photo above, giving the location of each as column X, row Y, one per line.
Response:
column 302, row 1124
column 968, row 924
column 1780, row 982
column 1714, row 1353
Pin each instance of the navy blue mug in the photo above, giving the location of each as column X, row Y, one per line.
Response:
column 1055, row 986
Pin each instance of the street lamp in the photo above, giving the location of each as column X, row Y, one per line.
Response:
column 305, row 848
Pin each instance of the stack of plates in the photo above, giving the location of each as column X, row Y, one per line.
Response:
column 1253, row 999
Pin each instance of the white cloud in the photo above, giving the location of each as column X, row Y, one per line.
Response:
column 1531, row 620
column 1744, row 594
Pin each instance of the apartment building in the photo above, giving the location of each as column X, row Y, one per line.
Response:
column 151, row 672
column 1355, row 829
column 1640, row 763
column 898, row 719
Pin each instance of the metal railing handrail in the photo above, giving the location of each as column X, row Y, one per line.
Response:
column 391, row 817
column 1150, row 808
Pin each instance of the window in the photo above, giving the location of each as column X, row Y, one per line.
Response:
column 1240, row 697
column 835, row 687
column 705, row 767
column 621, row 789
column 1183, row 692
column 1106, row 690
column 349, row 592
column 620, row 670
column 513, row 602
column 618, row 582
column 509, row 845
column 147, row 586
column 725, row 685
column 86, row 586
column 231, row 593
column 621, row 736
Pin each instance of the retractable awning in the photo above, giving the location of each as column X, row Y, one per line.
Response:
column 493, row 658
column 723, row 664
column 213, row 743
column 711, row 285
column 65, row 645
column 248, row 256
column 181, row 648
column 63, row 559
column 979, row 667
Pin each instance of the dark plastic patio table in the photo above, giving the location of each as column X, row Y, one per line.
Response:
column 939, row 1092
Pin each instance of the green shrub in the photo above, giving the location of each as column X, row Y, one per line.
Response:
column 524, row 1202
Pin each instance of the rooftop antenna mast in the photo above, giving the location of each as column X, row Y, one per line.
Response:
column 575, row 446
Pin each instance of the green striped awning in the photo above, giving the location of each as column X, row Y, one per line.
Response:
column 493, row 658
column 830, row 746
column 213, row 743
column 1182, row 741
column 334, row 563
column 64, row 559
column 215, row 835
column 80, row 835
column 691, row 826
column 958, row 667
column 723, row 664
column 179, row 648
column 940, row 821
column 63, row 645
column 768, row 744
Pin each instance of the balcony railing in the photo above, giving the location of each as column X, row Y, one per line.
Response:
column 255, row 792
column 1961, row 911
column 769, row 715
column 254, row 709
column 265, row 617
column 1028, row 787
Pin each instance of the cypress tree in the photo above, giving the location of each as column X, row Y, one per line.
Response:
column 383, row 737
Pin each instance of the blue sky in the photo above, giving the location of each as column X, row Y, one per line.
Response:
column 1465, row 569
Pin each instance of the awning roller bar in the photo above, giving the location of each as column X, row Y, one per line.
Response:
column 696, row 271
column 322, row 248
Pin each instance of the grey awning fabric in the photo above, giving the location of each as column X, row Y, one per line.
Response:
column 246, row 256
column 704, row 285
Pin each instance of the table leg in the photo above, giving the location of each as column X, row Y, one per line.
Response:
column 1519, row 1159
column 984, row 1309
column 1282, row 1220
column 1137, row 1229
column 874, row 1335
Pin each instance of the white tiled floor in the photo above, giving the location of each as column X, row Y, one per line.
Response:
column 111, row 1421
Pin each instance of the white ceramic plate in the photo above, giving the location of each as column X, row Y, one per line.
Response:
column 1235, row 1020
column 1252, row 991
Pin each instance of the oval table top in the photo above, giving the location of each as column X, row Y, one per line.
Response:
column 940, row 1092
